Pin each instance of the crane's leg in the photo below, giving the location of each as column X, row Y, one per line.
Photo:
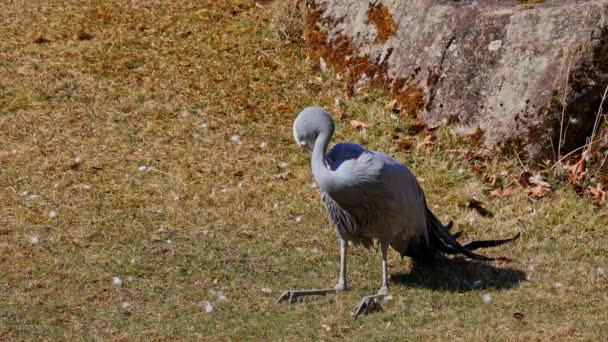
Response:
column 292, row 295
column 372, row 303
column 341, row 286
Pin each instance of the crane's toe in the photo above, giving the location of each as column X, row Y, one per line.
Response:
column 340, row 287
column 291, row 296
column 368, row 305
column 383, row 290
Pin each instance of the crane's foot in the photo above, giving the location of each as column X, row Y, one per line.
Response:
column 368, row 305
column 291, row 296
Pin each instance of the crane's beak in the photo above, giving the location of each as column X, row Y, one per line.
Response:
column 305, row 145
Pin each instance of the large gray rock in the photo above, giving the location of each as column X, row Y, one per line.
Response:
column 497, row 65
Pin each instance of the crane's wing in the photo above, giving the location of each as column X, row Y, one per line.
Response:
column 380, row 193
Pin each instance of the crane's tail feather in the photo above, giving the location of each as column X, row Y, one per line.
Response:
column 489, row 243
column 441, row 240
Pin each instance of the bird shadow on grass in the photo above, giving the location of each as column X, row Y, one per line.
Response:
column 460, row 275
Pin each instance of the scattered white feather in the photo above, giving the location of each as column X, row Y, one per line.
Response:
column 143, row 168
column 125, row 305
column 388, row 298
column 558, row 285
column 298, row 219
column 162, row 229
column 283, row 165
column 314, row 250
column 204, row 125
column 13, row 151
column 116, row 281
column 77, row 159
column 87, row 186
column 337, row 102
column 235, row 139
column 53, row 214
column 130, row 279
column 184, row 114
column 24, row 193
column 207, row 306
column 461, row 171
column 313, row 185
column 263, row 145
column 486, row 298
column 531, row 268
column 472, row 220
column 600, row 271
column 573, row 120
column 34, row 240
column 326, row 327
column 266, row 290
column 169, row 241
column 33, row 196
column 220, row 296
column 322, row 64
column 196, row 136
column 275, row 206
column 239, row 185
column 476, row 284
column 528, row 277
column 132, row 261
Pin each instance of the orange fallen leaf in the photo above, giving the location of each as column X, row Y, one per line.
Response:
column 428, row 141
column 417, row 127
column 511, row 190
column 403, row 144
column 598, row 192
column 502, row 261
column 538, row 191
column 38, row 38
column 356, row 124
column 523, row 179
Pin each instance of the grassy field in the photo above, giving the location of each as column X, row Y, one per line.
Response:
column 149, row 175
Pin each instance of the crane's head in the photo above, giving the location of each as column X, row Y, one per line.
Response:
column 311, row 122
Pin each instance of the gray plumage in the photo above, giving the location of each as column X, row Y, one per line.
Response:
column 371, row 196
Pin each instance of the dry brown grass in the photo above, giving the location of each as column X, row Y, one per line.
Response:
column 135, row 93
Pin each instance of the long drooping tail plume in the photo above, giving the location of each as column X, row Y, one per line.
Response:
column 441, row 240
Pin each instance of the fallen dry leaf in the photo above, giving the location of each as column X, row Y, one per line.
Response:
column 417, row 127
column 403, row 144
column 537, row 179
column 598, row 192
column 356, row 124
column 496, row 193
column 577, row 165
column 538, row 191
column 428, row 141
column 84, row 35
column 523, row 179
column 501, row 261
column 518, row 315
column 38, row 38
column 282, row 176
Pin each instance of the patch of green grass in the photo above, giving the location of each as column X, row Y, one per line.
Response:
column 138, row 93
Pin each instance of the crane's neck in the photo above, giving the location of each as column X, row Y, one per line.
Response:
column 320, row 170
